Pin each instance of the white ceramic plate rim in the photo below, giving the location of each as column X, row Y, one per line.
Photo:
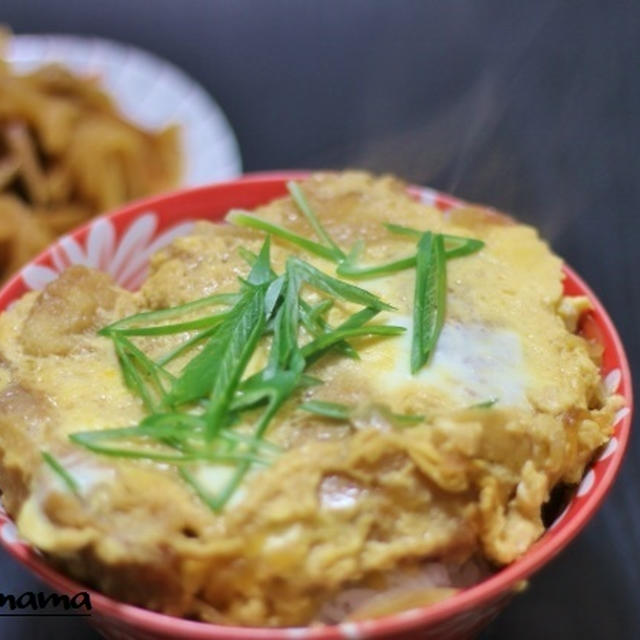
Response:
column 150, row 91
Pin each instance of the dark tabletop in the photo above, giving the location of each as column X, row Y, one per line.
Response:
column 533, row 107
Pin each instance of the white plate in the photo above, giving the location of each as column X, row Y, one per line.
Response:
column 149, row 91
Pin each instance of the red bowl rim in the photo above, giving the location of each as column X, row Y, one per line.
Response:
column 500, row 583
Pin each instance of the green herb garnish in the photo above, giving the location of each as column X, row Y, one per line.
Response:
column 216, row 371
column 326, row 248
column 429, row 298
column 60, row 471
column 338, row 411
column 487, row 404
column 313, row 321
column 300, row 200
column 231, row 358
column 350, row 269
column 458, row 246
column 329, row 339
column 94, row 441
column 195, row 413
column 403, row 419
column 455, row 247
column 333, row 410
column 127, row 324
column 192, row 413
column 334, row 287
column 243, row 219
column 141, row 374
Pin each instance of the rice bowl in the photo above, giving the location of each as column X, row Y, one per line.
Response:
column 559, row 533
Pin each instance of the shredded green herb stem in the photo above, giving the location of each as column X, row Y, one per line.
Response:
column 345, row 413
column 55, row 466
column 429, row 298
column 193, row 414
column 487, row 404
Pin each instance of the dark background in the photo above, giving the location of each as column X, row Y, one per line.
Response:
column 533, row 107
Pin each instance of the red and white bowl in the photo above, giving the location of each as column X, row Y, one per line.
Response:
column 121, row 243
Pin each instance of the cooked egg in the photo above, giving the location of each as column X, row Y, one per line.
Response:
column 471, row 363
column 342, row 503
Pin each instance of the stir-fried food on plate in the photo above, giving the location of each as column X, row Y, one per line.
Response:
column 67, row 154
column 339, row 405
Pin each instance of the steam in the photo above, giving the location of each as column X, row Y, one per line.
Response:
column 510, row 135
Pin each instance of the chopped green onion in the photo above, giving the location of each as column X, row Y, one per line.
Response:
column 272, row 296
column 487, row 404
column 233, row 360
column 358, row 319
column 134, row 379
column 463, row 246
column 466, row 246
column 192, row 415
column 333, row 410
column 320, row 309
column 243, row 219
column 329, row 339
column 429, row 298
column 334, row 287
column 349, row 269
column 171, row 312
column 60, row 471
column 302, row 204
column 405, row 420
column 167, row 329
column 261, row 272
column 199, row 490
column 316, row 325
column 185, row 346
column 93, row 441
column 226, row 354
